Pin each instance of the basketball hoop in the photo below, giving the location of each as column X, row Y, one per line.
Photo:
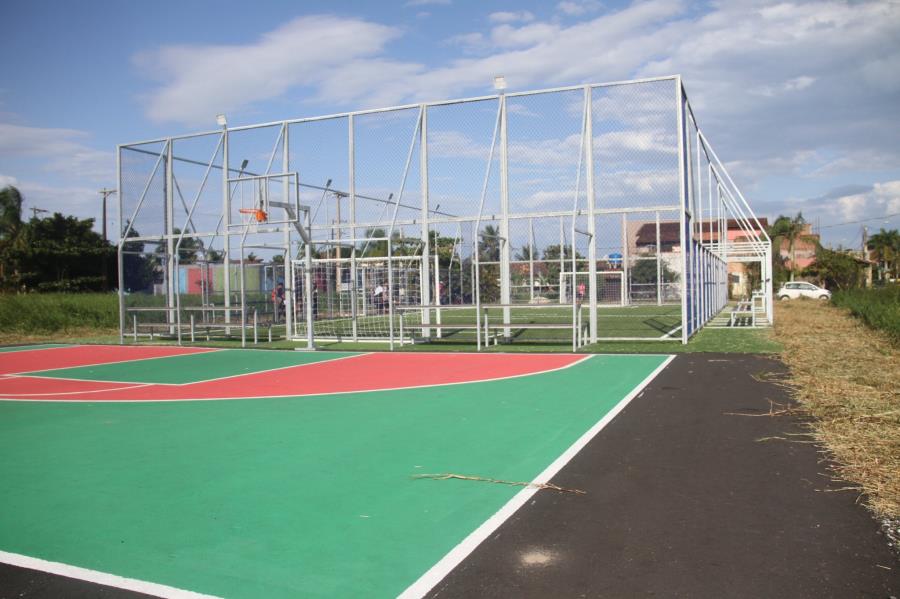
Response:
column 258, row 213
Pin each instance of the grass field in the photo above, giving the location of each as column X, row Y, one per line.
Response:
column 32, row 317
column 92, row 318
column 879, row 308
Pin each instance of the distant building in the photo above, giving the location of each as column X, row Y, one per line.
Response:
column 642, row 241
column 804, row 249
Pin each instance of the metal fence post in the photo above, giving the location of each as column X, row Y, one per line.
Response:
column 591, row 206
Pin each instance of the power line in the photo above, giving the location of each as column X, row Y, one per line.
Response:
column 864, row 220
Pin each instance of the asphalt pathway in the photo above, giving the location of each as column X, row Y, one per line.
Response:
column 686, row 500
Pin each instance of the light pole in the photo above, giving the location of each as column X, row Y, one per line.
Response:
column 106, row 193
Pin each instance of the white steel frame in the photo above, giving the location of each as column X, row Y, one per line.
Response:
column 703, row 277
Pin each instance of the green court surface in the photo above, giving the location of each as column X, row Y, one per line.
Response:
column 191, row 368
column 287, row 497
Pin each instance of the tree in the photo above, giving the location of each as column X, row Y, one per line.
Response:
column 791, row 229
column 551, row 258
column 10, row 227
column 885, row 250
column 489, row 274
column 10, row 213
column 374, row 247
column 644, row 272
column 139, row 270
column 526, row 254
column 63, row 253
column 489, row 244
column 835, row 269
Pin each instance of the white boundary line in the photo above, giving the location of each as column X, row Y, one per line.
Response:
column 36, row 347
column 127, row 388
column 456, row 555
column 110, row 580
column 207, row 350
column 221, row 378
column 231, row 376
column 291, row 395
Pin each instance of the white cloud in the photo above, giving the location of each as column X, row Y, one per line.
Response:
column 510, row 17
column 576, row 9
column 791, row 85
column 507, row 36
column 466, row 39
column 883, row 198
column 77, row 200
column 7, row 181
column 199, row 82
column 59, row 151
column 808, row 89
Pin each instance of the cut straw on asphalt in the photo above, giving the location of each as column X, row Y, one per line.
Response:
column 847, row 377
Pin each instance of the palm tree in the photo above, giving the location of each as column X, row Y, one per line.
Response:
column 526, row 253
column 489, row 244
column 791, row 229
column 10, row 213
column 10, row 224
column 885, row 250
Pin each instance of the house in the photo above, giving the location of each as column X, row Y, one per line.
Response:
column 642, row 241
column 804, row 249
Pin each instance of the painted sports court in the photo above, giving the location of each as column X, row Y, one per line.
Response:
column 250, row 473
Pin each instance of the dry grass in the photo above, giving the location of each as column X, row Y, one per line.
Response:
column 847, row 377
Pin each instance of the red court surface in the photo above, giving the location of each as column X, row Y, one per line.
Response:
column 86, row 355
column 363, row 372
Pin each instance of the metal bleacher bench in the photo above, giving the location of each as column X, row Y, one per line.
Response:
column 743, row 310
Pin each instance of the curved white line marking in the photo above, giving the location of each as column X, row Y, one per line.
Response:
column 38, row 346
column 500, row 378
column 231, row 376
column 128, row 388
column 221, row 378
column 104, row 578
column 208, row 351
column 456, row 555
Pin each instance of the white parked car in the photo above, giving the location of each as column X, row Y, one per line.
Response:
column 802, row 289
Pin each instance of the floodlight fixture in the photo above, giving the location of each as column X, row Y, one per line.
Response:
column 500, row 83
column 221, row 120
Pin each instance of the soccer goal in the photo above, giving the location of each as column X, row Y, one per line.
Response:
column 357, row 299
column 610, row 291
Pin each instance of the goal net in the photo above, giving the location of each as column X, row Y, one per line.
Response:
column 345, row 306
column 610, row 291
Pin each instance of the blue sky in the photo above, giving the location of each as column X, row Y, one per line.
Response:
column 802, row 100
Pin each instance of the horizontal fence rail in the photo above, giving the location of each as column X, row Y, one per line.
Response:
column 567, row 215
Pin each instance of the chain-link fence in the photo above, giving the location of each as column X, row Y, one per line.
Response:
column 604, row 202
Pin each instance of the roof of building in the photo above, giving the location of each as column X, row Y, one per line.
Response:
column 668, row 230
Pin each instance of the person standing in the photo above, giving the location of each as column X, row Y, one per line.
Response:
column 278, row 300
column 378, row 298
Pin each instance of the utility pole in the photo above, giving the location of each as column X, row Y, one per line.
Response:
column 36, row 211
column 105, row 193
